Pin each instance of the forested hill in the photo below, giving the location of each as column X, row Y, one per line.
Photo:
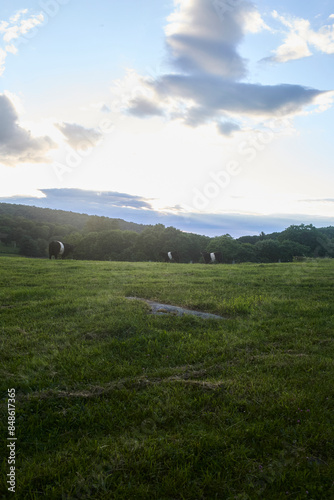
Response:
column 27, row 230
column 64, row 218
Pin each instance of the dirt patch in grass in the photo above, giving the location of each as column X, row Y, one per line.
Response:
column 188, row 378
column 159, row 309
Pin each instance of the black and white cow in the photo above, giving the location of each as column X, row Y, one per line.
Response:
column 59, row 249
column 211, row 257
column 170, row 256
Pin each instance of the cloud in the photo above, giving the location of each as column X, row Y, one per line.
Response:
column 93, row 199
column 105, row 109
column 300, row 38
column 14, row 31
column 199, row 40
column 143, row 107
column 193, row 116
column 227, row 128
column 15, row 18
column 218, row 95
column 206, row 84
column 3, row 55
column 16, row 143
column 320, row 200
column 79, row 137
column 254, row 22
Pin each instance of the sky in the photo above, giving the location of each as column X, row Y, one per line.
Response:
column 213, row 116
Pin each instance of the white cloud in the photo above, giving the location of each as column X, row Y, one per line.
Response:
column 294, row 47
column 16, row 143
column 3, row 55
column 14, row 31
column 11, row 49
column 301, row 38
column 254, row 22
column 17, row 16
column 21, row 28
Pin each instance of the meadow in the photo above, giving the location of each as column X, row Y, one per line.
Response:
column 113, row 402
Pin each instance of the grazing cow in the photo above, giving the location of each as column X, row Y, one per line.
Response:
column 211, row 257
column 170, row 256
column 59, row 249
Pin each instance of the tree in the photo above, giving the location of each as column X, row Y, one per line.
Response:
column 97, row 224
column 246, row 253
column 304, row 234
column 225, row 244
column 268, row 251
column 290, row 249
column 248, row 239
column 29, row 247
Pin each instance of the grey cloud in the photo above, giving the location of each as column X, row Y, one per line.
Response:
column 201, row 40
column 79, row 137
column 96, row 198
column 196, row 115
column 219, row 95
column 176, row 209
column 16, row 143
column 276, row 59
column 212, row 56
column 206, row 87
column 227, row 128
column 143, row 107
column 320, row 200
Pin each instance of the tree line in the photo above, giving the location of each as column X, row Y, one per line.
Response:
column 28, row 230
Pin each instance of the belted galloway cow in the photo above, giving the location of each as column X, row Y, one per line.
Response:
column 170, row 256
column 211, row 257
column 59, row 249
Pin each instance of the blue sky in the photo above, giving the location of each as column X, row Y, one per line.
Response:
column 213, row 116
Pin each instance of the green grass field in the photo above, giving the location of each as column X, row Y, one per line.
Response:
column 112, row 402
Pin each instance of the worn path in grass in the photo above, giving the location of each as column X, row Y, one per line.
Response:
column 113, row 402
column 158, row 308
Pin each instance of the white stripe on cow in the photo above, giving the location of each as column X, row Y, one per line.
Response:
column 213, row 257
column 62, row 248
column 170, row 255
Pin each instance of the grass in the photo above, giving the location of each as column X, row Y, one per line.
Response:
column 113, row 402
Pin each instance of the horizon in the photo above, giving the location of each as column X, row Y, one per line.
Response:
column 211, row 116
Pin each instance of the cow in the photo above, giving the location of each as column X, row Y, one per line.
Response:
column 211, row 257
column 59, row 249
column 170, row 256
